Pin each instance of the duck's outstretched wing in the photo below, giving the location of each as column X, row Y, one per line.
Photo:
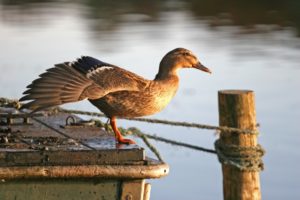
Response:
column 86, row 78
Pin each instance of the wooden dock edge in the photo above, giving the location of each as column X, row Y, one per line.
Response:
column 86, row 171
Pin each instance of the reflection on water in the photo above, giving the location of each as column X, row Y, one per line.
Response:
column 247, row 44
column 249, row 15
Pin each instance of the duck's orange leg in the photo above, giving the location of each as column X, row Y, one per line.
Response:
column 119, row 136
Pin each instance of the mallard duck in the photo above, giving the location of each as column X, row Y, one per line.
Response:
column 113, row 90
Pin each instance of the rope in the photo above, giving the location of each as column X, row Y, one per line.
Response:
column 144, row 136
column 130, row 131
column 137, row 132
column 150, row 146
column 242, row 157
column 12, row 103
column 16, row 104
column 166, row 122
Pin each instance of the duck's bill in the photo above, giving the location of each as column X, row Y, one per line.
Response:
column 202, row 68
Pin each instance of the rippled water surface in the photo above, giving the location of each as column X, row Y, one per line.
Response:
column 247, row 46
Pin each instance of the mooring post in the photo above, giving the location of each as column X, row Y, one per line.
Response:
column 237, row 109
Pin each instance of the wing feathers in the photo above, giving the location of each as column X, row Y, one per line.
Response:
column 85, row 78
column 58, row 85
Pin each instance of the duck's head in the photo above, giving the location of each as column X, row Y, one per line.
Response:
column 181, row 58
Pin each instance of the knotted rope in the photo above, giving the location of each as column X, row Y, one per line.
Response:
column 242, row 157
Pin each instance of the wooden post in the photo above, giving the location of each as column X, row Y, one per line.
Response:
column 147, row 191
column 237, row 109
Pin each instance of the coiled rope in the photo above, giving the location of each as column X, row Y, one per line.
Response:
column 243, row 158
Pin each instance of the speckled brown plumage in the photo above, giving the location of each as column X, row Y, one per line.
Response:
column 113, row 90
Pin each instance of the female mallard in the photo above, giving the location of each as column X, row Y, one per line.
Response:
column 113, row 90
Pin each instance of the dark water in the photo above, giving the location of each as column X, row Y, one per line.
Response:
column 247, row 44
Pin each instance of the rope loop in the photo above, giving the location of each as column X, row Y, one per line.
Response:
column 242, row 157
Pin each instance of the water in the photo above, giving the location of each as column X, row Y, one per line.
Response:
column 247, row 46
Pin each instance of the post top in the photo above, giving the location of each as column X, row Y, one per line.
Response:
column 235, row 92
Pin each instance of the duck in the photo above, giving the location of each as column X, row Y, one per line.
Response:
column 116, row 92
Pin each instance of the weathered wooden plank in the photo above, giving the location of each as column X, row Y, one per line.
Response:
column 92, row 189
column 132, row 189
column 71, row 157
column 150, row 169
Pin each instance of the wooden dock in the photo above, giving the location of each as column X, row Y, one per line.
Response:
column 59, row 156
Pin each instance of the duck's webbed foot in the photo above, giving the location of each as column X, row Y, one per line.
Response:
column 119, row 137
